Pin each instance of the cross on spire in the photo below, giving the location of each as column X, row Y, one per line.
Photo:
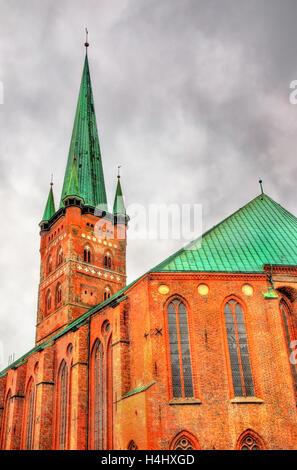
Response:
column 86, row 43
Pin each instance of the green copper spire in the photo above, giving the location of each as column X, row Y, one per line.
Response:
column 85, row 148
column 49, row 210
column 119, row 204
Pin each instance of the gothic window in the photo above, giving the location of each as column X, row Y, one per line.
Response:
column 58, row 294
column 30, row 416
column 249, row 440
column 184, row 441
column 238, row 350
column 87, row 254
column 63, row 402
column 180, row 355
column 132, row 446
column 107, row 260
column 48, row 301
column 60, row 257
column 49, row 264
column 107, row 293
column 99, row 397
column 289, row 334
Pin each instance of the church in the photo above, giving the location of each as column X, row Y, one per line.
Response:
column 198, row 353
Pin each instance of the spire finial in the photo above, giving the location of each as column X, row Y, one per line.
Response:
column 52, row 180
column 119, row 166
column 86, row 43
column 261, row 185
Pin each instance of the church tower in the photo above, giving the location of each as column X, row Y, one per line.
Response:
column 83, row 245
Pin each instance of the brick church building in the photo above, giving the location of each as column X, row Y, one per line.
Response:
column 198, row 353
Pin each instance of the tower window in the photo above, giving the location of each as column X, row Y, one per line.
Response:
column 48, row 301
column 87, row 255
column 49, row 264
column 107, row 293
column 58, row 293
column 30, row 416
column 60, row 257
column 238, row 350
column 180, row 355
column 107, row 260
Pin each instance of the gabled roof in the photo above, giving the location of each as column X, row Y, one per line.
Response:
column 49, row 210
column 84, row 146
column 262, row 232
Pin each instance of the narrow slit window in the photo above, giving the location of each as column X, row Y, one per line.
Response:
column 289, row 334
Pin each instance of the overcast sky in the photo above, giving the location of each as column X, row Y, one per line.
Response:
column 191, row 97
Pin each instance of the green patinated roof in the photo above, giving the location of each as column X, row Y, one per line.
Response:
column 119, row 204
column 85, row 148
column 49, row 210
column 262, row 232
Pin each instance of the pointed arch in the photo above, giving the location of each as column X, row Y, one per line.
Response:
column 237, row 348
column 58, row 294
column 108, row 260
column 177, row 326
column 30, row 414
column 62, row 406
column 87, row 254
column 107, row 293
column 184, row 440
column 250, row 440
column 49, row 264
column 48, row 302
column 97, row 396
column 60, row 256
column 289, row 329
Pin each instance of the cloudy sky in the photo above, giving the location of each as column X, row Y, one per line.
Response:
column 191, row 97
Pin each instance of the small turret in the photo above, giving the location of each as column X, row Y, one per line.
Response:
column 49, row 210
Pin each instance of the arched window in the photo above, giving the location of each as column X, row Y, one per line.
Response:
column 48, row 301
column 184, row 441
column 132, row 446
column 180, row 355
column 87, row 254
column 238, row 349
column 60, row 257
column 30, row 411
column 58, row 296
column 107, row 260
column 49, row 264
column 63, row 406
column 101, row 394
column 99, row 397
column 249, row 440
column 289, row 334
column 6, row 430
column 107, row 293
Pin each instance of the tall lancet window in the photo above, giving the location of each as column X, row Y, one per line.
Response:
column 180, row 355
column 30, row 410
column 290, row 336
column 63, row 401
column 6, row 430
column 238, row 350
column 99, row 396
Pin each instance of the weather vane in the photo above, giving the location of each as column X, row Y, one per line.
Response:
column 261, row 185
column 119, row 166
column 86, row 43
column 52, row 179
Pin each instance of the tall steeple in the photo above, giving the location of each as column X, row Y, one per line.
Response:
column 84, row 146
